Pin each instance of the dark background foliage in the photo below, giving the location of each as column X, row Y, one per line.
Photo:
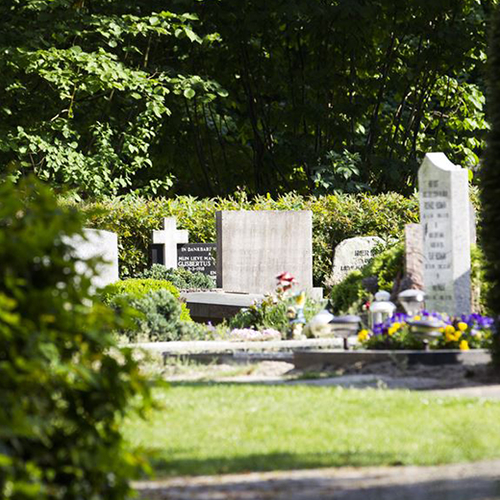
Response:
column 110, row 97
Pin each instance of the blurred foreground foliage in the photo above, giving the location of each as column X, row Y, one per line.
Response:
column 64, row 385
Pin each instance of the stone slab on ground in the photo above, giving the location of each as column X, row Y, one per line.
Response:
column 303, row 359
column 474, row 481
column 226, row 346
column 215, row 306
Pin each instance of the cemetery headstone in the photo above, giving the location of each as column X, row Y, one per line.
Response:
column 97, row 243
column 414, row 257
column 444, row 215
column 165, row 241
column 352, row 254
column 198, row 258
column 253, row 247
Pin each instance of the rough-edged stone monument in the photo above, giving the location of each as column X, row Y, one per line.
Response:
column 165, row 241
column 444, row 215
column 414, row 257
column 253, row 247
column 95, row 243
column 352, row 254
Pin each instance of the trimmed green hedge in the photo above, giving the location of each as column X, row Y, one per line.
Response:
column 335, row 218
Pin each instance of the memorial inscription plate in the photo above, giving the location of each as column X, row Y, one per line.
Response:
column 198, row 258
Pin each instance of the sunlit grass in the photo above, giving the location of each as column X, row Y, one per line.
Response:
column 206, row 429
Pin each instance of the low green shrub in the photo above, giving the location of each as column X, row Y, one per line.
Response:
column 157, row 316
column 64, row 384
column 181, row 278
column 335, row 218
column 137, row 288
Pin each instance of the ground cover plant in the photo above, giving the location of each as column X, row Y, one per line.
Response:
column 211, row 429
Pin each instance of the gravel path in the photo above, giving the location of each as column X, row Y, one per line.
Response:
column 478, row 481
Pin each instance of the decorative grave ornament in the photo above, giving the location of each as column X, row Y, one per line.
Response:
column 381, row 308
column 165, row 241
column 352, row 254
column 444, row 215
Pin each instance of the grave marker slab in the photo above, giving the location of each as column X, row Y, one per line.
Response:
column 198, row 257
column 444, row 215
column 253, row 247
column 97, row 243
column 352, row 254
column 165, row 241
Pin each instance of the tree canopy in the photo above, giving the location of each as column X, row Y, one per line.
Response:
column 108, row 97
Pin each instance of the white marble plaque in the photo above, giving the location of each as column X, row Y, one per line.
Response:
column 444, row 215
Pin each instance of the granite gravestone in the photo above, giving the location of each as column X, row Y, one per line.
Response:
column 352, row 254
column 198, row 258
column 444, row 215
column 103, row 245
column 253, row 247
column 165, row 241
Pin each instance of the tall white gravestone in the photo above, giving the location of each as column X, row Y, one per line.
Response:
column 444, row 215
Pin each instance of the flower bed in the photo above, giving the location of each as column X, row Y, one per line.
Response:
column 465, row 332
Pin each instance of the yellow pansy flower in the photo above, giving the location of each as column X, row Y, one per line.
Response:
column 449, row 337
column 462, row 326
column 417, row 317
column 392, row 330
column 464, row 345
column 449, row 329
column 363, row 335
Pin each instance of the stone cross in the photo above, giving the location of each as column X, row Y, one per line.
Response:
column 444, row 215
column 169, row 236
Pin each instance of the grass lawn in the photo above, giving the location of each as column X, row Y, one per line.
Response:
column 220, row 428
